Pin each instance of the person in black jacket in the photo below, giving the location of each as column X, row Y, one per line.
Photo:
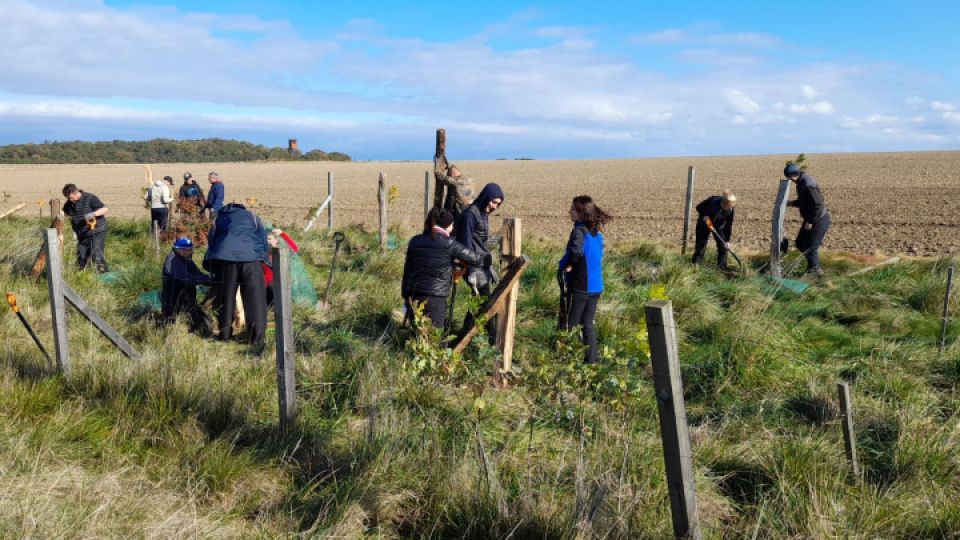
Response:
column 180, row 279
column 428, row 269
column 720, row 210
column 235, row 255
column 191, row 194
column 472, row 230
column 816, row 217
column 88, row 216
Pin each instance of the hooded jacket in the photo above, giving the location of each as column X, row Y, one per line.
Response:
column 158, row 195
column 585, row 254
column 428, row 269
column 810, row 199
column 712, row 207
column 473, row 228
column 237, row 235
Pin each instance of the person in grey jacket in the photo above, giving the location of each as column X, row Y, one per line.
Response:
column 816, row 217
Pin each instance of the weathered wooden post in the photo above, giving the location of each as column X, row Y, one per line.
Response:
column 510, row 250
column 54, row 208
column 382, row 201
column 674, row 433
column 777, row 233
column 440, row 165
column 286, row 362
column 946, row 311
column 155, row 229
column 330, row 204
column 849, row 437
column 58, row 306
column 688, row 209
column 426, row 194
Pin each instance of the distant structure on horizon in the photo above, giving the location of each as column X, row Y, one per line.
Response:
column 292, row 146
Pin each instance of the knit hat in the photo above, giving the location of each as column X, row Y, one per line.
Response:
column 183, row 243
column 792, row 169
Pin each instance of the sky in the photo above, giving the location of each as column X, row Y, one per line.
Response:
column 551, row 80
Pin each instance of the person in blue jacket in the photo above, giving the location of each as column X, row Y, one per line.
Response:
column 180, row 279
column 235, row 256
column 582, row 266
column 215, row 198
column 473, row 230
column 720, row 210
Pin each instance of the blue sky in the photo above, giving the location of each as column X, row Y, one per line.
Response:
column 546, row 80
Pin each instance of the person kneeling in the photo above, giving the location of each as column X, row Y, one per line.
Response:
column 180, row 279
column 428, row 269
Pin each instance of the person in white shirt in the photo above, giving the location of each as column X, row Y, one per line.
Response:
column 158, row 196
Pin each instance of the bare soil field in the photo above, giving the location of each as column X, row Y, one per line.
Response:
column 882, row 203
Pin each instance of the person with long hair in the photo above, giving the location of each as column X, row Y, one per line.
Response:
column 428, row 269
column 582, row 267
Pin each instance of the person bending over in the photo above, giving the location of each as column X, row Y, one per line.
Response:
column 179, row 294
column 719, row 209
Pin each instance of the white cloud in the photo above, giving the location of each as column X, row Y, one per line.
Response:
column 741, row 102
column 942, row 106
column 809, row 92
column 877, row 118
column 820, row 107
column 952, row 117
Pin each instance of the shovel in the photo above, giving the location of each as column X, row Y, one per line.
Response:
column 564, row 301
column 338, row 237
column 723, row 242
column 12, row 301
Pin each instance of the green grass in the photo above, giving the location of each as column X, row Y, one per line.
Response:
column 185, row 442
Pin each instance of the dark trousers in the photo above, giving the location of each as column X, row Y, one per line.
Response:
column 583, row 311
column 434, row 307
column 809, row 240
column 703, row 235
column 160, row 215
column 90, row 246
column 248, row 277
column 491, row 324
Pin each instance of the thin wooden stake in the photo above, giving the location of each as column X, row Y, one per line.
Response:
column 382, row 201
column 946, row 311
column 330, row 196
column 58, row 306
column 16, row 208
column 496, row 301
column 849, row 437
column 511, row 249
column 674, row 433
column 688, row 209
column 155, row 228
column 286, row 361
column 99, row 322
column 440, row 165
column 777, row 232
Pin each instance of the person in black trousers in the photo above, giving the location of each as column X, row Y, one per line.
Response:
column 180, row 278
column 428, row 268
column 473, row 230
column 235, row 256
column 719, row 209
column 88, row 217
column 816, row 217
column 582, row 267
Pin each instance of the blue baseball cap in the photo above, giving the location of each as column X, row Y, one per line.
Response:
column 183, row 243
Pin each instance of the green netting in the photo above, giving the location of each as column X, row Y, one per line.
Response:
column 301, row 287
column 780, row 286
column 108, row 277
column 150, row 299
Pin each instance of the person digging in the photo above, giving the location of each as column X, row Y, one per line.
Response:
column 719, row 211
column 816, row 217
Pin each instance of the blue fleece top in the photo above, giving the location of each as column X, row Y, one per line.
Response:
column 585, row 254
column 215, row 197
column 237, row 235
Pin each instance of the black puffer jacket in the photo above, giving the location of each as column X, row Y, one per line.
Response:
column 428, row 270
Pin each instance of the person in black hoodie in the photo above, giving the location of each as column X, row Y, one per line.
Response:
column 428, row 269
column 236, row 253
column 816, row 217
column 179, row 294
column 88, row 217
column 472, row 230
column 719, row 209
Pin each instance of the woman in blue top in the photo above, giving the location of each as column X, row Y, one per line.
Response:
column 582, row 266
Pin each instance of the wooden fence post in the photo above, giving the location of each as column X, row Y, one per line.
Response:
column 58, row 306
column 99, row 322
column 674, row 433
column 510, row 250
column 688, row 209
column 849, row 437
column 440, row 164
column 286, row 361
column 330, row 196
column 426, row 194
column 495, row 302
column 777, row 232
column 382, row 201
column 946, row 311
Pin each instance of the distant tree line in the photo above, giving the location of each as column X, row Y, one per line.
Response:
column 157, row 151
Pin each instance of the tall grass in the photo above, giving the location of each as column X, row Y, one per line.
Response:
column 184, row 443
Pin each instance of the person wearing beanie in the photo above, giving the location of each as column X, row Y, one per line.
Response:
column 179, row 281
column 428, row 268
column 88, row 217
column 158, row 197
column 191, row 194
column 719, row 209
column 816, row 217
column 217, row 196
column 473, row 230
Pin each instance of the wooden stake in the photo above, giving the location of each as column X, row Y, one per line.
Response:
column 286, row 361
column 849, row 437
column 330, row 196
column 58, row 307
column 40, row 262
column 16, row 208
column 99, row 322
column 155, row 228
column 426, row 194
column 440, row 165
column 674, row 433
column 510, row 250
column 382, row 201
column 495, row 303
column 946, row 311
column 777, row 233
column 688, row 209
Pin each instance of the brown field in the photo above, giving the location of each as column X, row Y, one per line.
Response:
column 885, row 203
